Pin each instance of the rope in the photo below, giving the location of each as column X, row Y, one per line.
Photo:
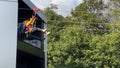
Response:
column 24, row 9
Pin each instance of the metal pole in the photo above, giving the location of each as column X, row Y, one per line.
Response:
column 45, row 47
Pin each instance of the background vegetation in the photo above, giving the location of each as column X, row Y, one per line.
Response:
column 89, row 38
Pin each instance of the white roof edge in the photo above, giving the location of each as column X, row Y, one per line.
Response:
column 31, row 5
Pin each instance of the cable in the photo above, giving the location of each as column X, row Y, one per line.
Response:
column 97, row 30
column 24, row 9
column 28, row 9
column 77, row 22
column 58, row 10
column 28, row 18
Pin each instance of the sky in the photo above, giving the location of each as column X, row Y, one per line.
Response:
column 64, row 6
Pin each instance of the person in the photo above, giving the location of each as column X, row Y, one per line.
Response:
column 29, row 26
column 21, row 34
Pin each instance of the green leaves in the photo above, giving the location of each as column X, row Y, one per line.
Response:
column 105, row 47
column 84, row 39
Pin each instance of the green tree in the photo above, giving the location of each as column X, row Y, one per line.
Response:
column 55, row 24
column 84, row 39
column 91, row 20
column 105, row 51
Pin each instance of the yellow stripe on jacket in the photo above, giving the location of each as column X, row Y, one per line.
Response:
column 31, row 21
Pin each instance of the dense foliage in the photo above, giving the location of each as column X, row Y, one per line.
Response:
column 88, row 38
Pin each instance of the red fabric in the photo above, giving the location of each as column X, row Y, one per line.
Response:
column 33, row 16
column 35, row 9
column 28, row 28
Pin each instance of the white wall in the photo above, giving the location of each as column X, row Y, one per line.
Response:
column 8, row 34
column 10, row 0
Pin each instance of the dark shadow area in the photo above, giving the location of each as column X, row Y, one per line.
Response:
column 25, row 59
column 25, row 13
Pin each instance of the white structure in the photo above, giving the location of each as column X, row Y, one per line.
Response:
column 8, row 33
